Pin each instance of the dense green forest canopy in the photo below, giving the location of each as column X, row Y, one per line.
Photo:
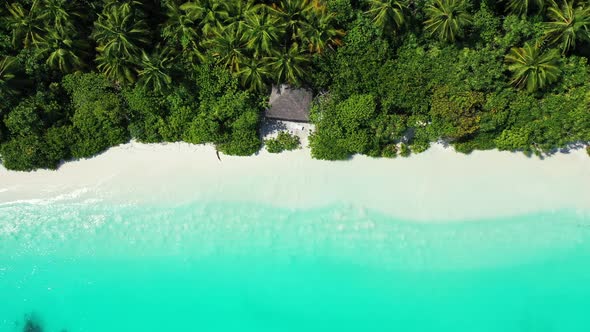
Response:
column 392, row 76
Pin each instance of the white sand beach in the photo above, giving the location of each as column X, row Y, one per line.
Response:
column 439, row 184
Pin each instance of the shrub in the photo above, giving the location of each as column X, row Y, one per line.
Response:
column 23, row 153
column 405, row 150
column 241, row 143
column 342, row 129
column 420, row 146
column 58, row 142
column 389, row 151
column 283, row 141
column 99, row 114
column 146, row 111
column 98, row 124
column 455, row 114
column 24, row 119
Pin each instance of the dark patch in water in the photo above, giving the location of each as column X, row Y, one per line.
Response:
column 32, row 323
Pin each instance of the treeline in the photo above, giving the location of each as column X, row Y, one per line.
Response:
column 508, row 74
column 79, row 76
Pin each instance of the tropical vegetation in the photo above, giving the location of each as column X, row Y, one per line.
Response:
column 284, row 141
column 390, row 76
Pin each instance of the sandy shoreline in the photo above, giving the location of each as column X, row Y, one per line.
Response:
column 439, row 184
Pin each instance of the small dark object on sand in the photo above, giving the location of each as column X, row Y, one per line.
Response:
column 217, row 153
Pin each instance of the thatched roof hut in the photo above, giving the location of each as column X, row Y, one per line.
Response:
column 290, row 104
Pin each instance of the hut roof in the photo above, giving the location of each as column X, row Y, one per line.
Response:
column 291, row 104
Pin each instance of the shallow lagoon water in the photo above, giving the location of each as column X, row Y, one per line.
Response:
column 222, row 266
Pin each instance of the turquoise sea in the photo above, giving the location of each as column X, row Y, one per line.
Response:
column 89, row 266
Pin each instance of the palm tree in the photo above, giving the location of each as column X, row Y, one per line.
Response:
column 568, row 24
column 7, row 75
column 58, row 14
column 116, row 68
column 521, row 7
column 387, row 15
column 109, row 3
column 119, row 33
column 61, row 51
column 532, row 68
column 180, row 27
column 321, row 33
column 211, row 14
column 253, row 75
column 288, row 66
column 262, row 31
column 228, row 48
column 155, row 68
column 238, row 10
column 26, row 25
column 447, row 19
column 295, row 14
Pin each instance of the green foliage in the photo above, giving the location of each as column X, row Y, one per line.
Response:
column 342, row 129
column 119, row 32
column 8, row 67
column 520, row 7
column 455, row 113
column 487, row 24
column 575, row 73
column 288, row 66
column 533, row 68
column 241, row 143
column 420, row 146
column 447, row 19
column 343, row 10
column 147, row 112
column 209, row 14
column 22, row 153
column 57, row 147
column 283, row 142
column 99, row 115
column 407, row 81
column 26, row 24
column 543, row 125
column 182, row 108
column 518, row 30
column 389, row 151
column 405, row 151
column 262, row 32
column 179, row 30
column 387, row 15
column 238, row 120
column 31, row 151
column 356, row 64
column 83, row 87
column 221, row 114
column 480, row 70
column 24, row 120
column 321, row 34
column 35, row 114
column 61, row 51
column 569, row 23
column 155, row 71
column 295, row 15
column 393, row 75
